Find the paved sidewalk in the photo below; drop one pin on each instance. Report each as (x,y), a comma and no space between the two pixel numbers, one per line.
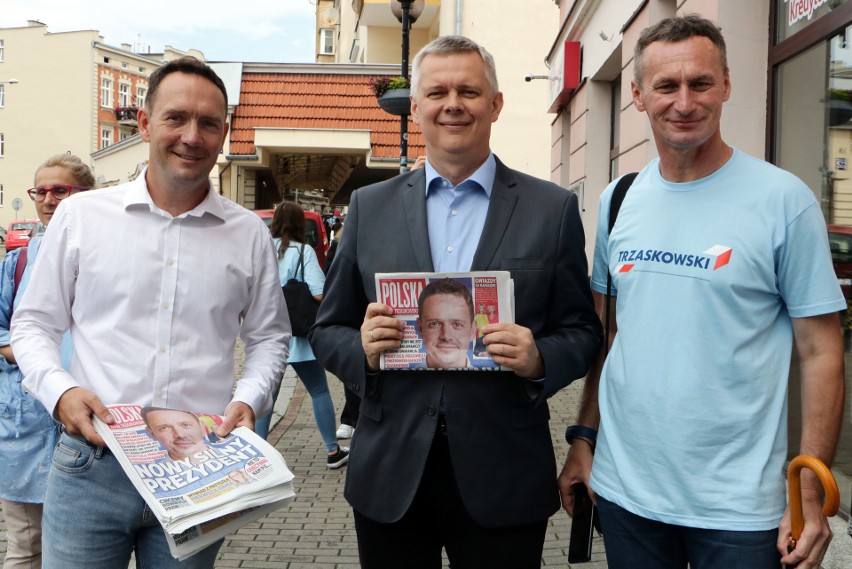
(317,530)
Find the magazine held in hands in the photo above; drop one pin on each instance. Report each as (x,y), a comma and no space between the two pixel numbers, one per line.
(444,314)
(201,487)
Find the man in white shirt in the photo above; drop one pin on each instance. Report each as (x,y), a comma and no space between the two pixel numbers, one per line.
(155,287)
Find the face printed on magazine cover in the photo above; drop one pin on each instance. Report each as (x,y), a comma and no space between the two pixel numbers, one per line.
(181,433)
(447,331)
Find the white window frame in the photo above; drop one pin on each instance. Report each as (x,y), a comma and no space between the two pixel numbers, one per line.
(1,195)
(2,96)
(124,94)
(141,92)
(2,49)
(2,144)
(106,92)
(106,136)
(326,41)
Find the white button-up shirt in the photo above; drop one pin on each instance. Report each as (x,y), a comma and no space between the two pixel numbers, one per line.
(154,303)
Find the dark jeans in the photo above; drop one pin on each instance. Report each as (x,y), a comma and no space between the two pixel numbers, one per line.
(634,542)
(437,519)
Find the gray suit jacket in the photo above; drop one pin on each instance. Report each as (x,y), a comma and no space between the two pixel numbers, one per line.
(497,423)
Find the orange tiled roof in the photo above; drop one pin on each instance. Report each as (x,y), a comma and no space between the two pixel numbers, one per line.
(297,100)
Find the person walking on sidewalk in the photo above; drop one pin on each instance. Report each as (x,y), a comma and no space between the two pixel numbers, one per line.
(442,459)
(288,234)
(719,261)
(27,431)
(156,290)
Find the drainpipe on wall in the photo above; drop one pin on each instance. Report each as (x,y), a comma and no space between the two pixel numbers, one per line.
(222,175)
(459,10)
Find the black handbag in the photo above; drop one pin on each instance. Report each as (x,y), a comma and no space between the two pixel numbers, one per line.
(301,304)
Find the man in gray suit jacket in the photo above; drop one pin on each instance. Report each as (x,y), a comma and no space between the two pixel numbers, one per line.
(461,460)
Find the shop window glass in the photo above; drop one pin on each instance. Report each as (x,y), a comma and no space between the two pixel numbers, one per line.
(796,15)
(813,139)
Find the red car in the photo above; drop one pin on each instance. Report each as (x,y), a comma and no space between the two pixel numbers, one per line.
(840,241)
(315,235)
(18,234)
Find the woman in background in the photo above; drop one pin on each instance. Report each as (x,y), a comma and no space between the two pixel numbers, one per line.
(288,233)
(27,432)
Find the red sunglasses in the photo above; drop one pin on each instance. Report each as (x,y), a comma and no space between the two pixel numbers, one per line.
(59,191)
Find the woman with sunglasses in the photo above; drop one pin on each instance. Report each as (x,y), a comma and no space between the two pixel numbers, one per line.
(27,432)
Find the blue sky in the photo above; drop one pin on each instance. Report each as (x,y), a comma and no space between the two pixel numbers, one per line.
(252,30)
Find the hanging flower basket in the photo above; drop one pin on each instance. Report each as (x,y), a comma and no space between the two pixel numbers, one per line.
(396,102)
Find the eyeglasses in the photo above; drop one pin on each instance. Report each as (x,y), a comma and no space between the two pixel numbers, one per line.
(59,191)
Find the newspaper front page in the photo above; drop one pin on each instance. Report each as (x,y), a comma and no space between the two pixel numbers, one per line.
(446,332)
(200,486)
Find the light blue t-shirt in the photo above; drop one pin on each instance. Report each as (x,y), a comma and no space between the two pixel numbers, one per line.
(693,395)
(288,268)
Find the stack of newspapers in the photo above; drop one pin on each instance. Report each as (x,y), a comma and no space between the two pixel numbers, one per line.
(200,486)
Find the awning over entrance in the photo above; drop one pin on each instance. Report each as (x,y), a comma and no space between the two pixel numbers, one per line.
(315,131)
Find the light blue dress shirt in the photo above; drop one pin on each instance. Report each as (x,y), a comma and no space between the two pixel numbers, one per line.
(455,215)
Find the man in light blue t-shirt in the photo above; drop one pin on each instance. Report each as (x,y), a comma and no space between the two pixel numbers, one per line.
(718,261)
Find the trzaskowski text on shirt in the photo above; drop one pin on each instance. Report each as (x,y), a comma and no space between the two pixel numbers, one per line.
(710,259)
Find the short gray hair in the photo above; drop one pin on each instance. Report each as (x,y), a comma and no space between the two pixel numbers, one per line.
(451,45)
(678,29)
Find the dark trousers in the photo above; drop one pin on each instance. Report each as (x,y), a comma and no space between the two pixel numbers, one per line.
(634,542)
(437,519)
(351,409)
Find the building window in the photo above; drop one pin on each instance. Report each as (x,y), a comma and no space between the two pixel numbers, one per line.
(1,195)
(326,41)
(140,97)
(615,127)
(2,145)
(2,49)
(2,96)
(106,92)
(123,95)
(106,60)
(811,136)
(106,137)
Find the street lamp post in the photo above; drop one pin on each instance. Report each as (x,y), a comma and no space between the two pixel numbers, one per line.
(407,12)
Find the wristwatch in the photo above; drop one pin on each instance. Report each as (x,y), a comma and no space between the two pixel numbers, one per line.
(587,434)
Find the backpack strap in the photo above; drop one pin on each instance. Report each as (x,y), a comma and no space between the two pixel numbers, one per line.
(20,265)
(618,196)
(301,262)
